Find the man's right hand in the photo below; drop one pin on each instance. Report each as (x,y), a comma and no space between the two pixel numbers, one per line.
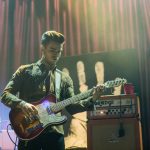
(28,109)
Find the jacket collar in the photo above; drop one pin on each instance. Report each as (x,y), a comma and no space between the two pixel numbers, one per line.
(45,66)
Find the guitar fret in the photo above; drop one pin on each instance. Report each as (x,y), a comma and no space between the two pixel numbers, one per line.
(60,105)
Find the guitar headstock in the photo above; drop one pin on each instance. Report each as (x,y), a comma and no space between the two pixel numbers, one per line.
(115,83)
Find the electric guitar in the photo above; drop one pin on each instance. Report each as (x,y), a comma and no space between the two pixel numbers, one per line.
(29,128)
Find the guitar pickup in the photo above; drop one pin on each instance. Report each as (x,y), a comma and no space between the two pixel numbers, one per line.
(48,110)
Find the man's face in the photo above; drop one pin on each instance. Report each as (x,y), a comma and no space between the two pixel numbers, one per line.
(52,52)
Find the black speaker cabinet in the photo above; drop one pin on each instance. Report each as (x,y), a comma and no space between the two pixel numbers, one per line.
(114,134)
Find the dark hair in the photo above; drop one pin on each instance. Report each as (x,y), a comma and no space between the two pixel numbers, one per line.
(52,36)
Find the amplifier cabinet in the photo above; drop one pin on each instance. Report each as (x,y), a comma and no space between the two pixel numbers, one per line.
(110,106)
(114,134)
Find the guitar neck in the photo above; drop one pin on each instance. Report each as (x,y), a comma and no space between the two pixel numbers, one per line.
(61,105)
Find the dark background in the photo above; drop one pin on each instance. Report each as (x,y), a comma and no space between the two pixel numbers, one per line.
(123,64)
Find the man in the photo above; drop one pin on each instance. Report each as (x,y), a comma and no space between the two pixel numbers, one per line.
(34,81)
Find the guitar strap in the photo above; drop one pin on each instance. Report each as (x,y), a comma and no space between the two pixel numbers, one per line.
(47,84)
(57,83)
(52,83)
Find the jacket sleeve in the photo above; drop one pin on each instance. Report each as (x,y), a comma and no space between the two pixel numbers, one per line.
(82,105)
(8,96)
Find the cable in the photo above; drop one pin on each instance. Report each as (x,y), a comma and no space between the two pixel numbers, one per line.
(121,131)
(14,142)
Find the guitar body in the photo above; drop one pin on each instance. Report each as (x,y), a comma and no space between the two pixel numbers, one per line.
(27,129)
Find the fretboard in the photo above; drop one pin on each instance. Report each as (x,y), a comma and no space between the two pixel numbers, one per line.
(61,105)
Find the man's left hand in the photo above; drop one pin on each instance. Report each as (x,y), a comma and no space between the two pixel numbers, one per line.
(98,91)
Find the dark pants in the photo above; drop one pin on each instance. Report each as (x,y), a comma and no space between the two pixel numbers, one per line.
(46,141)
